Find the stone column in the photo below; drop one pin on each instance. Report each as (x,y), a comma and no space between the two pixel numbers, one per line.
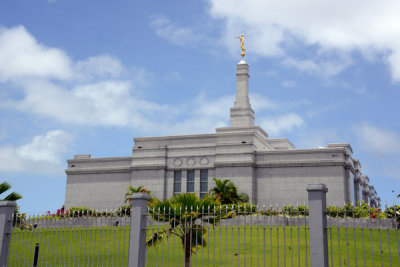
(6,211)
(318,225)
(137,237)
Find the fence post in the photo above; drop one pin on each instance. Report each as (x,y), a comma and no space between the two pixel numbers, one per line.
(318,226)
(137,237)
(6,211)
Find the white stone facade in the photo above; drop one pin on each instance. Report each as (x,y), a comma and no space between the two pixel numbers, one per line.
(270,171)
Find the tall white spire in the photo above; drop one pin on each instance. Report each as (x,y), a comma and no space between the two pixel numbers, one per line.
(242,115)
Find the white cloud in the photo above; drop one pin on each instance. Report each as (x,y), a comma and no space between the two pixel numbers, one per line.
(329,27)
(259,102)
(42,155)
(323,67)
(105,103)
(21,56)
(86,92)
(289,84)
(49,147)
(282,123)
(177,35)
(218,108)
(313,138)
(96,93)
(103,66)
(376,139)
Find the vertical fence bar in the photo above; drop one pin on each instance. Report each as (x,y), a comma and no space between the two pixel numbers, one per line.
(318,235)
(169,219)
(137,237)
(362,234)
(347,240)
(397,221)
(284,238)
(258,237)
(244,235)
(330,234)
(270,234)
(354,236)
(298,232)
(380,239)
(6,211)
(277,234)
(370,235)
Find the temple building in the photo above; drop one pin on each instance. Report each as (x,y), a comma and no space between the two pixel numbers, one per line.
(270,171)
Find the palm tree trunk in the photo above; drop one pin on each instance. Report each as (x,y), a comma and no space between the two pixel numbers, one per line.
(187,248)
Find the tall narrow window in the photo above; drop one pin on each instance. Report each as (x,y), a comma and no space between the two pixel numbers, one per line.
(203,182)
(190,181)
(177,182)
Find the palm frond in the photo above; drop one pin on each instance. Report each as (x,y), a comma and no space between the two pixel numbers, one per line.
(13,196)
(155,239)
(4,187)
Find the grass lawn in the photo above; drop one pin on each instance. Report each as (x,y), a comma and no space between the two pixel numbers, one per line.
(226,246)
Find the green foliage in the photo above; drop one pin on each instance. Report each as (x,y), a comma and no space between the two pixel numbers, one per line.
(393,212)
(81,211)
(239,209)
(269,212)
(139,189)
(227,192)
(360,210)
(290,210)
(124,210)
(188,216)
(13,196)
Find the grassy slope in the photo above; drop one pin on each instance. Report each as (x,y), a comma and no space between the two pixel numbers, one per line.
(227,246)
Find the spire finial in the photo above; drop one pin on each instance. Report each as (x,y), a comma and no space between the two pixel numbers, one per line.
(241,38)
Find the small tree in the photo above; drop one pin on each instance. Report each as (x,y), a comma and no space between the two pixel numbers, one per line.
(132,190)
(187,216)
(227,192)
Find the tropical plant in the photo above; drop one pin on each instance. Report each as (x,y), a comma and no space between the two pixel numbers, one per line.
(394,212)
(80,211)
(132,190)
(227,192)
(187,216)
(124,210)
(13,196)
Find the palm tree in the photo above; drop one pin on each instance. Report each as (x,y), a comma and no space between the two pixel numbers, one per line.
(13,196)
(227,192)
(132,190)
(187,216)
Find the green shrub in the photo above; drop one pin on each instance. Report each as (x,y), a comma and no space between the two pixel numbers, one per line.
(81,211)
(124,210)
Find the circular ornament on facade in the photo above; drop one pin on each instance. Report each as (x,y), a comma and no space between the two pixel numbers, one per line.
(178,162)
(204,161)
(191,161)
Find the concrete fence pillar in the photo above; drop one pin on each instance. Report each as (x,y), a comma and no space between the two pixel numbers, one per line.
(137,237)
(6,211)
(318,226)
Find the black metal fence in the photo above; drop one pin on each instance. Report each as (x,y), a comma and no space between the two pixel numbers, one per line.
(229,235)
(70,240)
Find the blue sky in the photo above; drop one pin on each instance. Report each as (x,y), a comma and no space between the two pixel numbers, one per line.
(85,77)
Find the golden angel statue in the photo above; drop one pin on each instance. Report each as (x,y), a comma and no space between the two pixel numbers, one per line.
(241,38)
